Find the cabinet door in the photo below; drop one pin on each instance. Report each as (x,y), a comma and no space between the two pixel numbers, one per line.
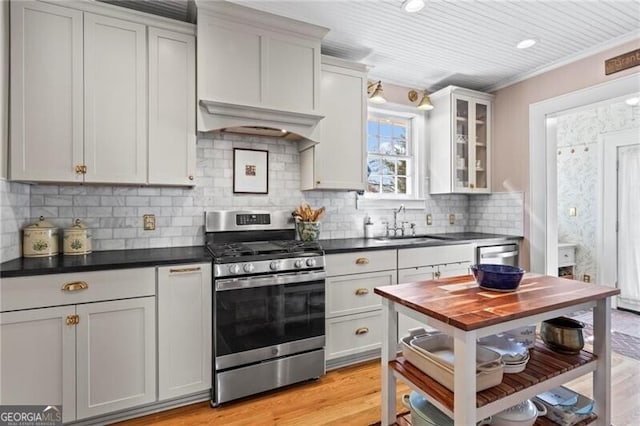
(339,158)
(38,361)
(46,92)
(407,276)
(116,355)
(481,146)
(172,108)
(291,71)
(115,69)
(184,330)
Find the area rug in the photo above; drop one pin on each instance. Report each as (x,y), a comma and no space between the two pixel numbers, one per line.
(621,343)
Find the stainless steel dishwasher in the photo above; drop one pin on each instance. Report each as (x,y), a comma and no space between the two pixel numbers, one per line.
(500,254)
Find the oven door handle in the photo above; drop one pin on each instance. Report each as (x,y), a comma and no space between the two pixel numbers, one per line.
(271,280)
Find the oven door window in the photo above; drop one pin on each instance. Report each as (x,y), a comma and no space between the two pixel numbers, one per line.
(251,318)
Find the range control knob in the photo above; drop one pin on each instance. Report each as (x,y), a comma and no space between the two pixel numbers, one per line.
(234,269)
(248,267)
(311,262)
(274,266)
(299,263)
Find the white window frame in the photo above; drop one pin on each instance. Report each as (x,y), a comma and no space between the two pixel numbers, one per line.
(416,143)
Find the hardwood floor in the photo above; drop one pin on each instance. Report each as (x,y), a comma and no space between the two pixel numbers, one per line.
(351,396)
(348,396)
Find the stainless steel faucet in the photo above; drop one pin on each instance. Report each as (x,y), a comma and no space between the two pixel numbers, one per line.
(395,227)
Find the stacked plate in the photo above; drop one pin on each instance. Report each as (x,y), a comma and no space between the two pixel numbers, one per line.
(515,355)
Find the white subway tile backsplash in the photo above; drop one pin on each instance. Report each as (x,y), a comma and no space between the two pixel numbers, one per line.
(114,214)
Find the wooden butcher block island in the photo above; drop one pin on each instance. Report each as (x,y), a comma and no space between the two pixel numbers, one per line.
(458,307)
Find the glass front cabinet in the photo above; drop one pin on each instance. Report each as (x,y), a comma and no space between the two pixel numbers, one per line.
(460,128)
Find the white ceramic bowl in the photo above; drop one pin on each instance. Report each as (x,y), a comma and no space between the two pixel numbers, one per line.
(523,414)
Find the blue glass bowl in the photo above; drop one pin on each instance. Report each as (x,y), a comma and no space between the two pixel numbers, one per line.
(497,277)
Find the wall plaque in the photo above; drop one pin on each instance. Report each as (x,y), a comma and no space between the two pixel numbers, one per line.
(622,62)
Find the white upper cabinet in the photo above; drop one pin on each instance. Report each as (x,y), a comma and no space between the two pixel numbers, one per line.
(255,67)
(83,97)
(172,102)
(46,118)
(115,75)
(338,161)
(460,141)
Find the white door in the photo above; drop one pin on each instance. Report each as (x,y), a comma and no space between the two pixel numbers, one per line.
(116,355)
(172,108)
(38,359)
(621,229)
(184,330)
(115,70)
(46,92)
(629,227)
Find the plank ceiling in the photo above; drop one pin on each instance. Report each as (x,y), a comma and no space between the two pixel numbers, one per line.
(466,43)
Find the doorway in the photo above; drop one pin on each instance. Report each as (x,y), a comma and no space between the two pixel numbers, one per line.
(544,221)
(620,225)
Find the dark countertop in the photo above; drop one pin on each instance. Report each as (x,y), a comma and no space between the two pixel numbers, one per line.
(101,260)
(346,245)
(122,259)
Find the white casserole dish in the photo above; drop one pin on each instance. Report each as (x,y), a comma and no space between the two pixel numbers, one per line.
(433,354)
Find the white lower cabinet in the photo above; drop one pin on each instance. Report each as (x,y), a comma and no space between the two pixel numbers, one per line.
(116,355)
(428,263)
(90,354)
(353,325)
(38,362)
(184,330)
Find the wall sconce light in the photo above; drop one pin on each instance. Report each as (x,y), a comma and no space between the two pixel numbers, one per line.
(376,95)
(425,103)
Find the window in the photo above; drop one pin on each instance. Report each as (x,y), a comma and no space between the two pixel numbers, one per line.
(390,156)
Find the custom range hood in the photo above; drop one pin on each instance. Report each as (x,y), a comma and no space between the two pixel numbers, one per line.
(258,73)
(222,117)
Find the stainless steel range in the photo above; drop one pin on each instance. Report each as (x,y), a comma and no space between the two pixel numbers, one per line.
(268,303)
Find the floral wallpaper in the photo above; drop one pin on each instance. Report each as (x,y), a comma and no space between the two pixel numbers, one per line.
(579,137)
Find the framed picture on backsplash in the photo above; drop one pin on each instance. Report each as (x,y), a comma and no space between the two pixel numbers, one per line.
(250,171)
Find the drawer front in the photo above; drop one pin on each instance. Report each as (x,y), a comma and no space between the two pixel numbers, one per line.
(350,294)
(566,256)
(352,334)
(361,261)
(47,290)
(422,256)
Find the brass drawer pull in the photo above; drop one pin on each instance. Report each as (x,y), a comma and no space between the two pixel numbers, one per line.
(362,261)
(437,274)
(73,319)
(361,292)
(178,270)
(362,330)
(75,286)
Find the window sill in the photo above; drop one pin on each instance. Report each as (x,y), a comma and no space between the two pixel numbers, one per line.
(363,203)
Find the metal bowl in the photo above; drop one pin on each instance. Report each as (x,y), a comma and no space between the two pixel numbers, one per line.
(562,334)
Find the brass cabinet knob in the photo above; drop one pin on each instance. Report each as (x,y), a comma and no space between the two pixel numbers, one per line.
(362,291)
(471,185)
(73,319)
(437,274)
(191,177)
(362,330)
(78,169)
(362,261)
(317,182)
(75,286)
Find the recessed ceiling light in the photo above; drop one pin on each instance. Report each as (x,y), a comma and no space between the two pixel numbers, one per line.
(633,101)
(413,6)
(525,44)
